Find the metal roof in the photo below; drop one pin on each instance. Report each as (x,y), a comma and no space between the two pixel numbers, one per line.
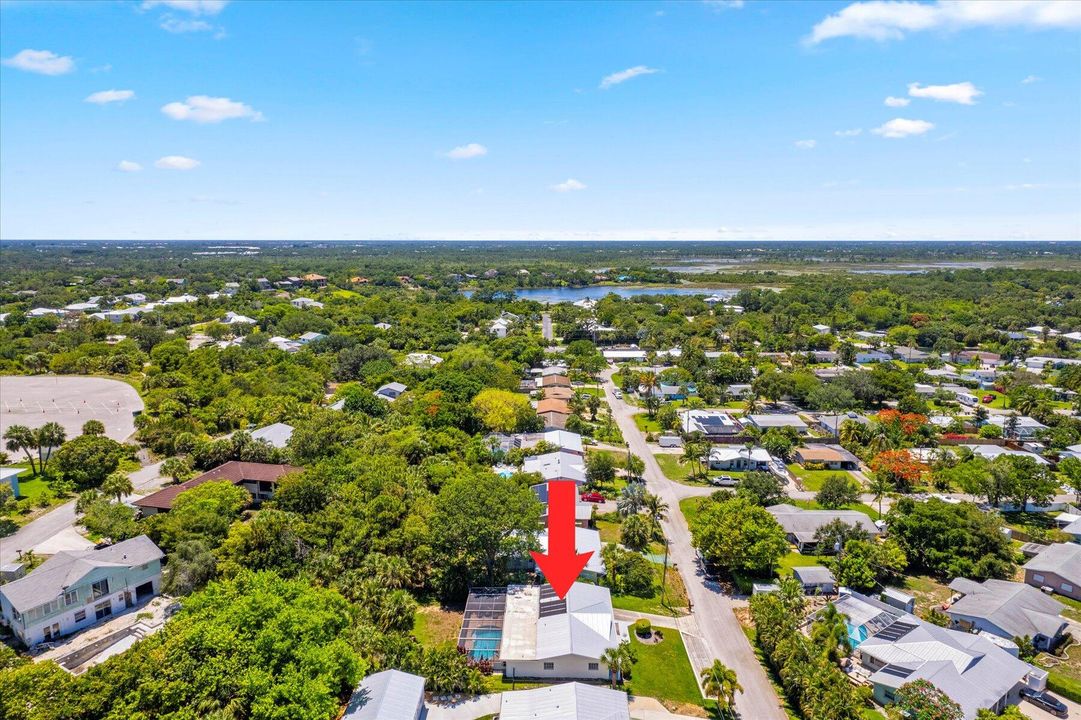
(387,695)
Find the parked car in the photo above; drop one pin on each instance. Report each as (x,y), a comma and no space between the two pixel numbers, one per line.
(1045,701)
(723,480)
(619,394)
(592,497)
(988,399)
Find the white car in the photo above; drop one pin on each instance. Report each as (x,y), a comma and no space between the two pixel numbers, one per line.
(619,394)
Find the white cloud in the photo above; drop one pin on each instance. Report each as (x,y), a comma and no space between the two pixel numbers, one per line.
(964,93)
(892,101)
(177,27)
(848,133)
(465,152)
(204,110)
(625,75)
(568,185)
(195,7)
(719,5)
(1031,79)
(902,128)
(42,62)
(105,97)
(892,19)
(805,144)
(129,166)
(176,162)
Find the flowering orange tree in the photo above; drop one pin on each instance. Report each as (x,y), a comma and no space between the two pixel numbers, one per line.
(899,468)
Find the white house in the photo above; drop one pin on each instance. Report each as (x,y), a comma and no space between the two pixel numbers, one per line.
(585,540)
(545,637)
(738,457)
(302,303)
(391,391)
(567,701)
(425,360)
(232,318)
(559,465)
(73,590)
(499,327)
(387,695)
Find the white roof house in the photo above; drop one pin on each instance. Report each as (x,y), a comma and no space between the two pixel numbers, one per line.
(180,299)
(781,420)
(426,360)
(81,307)
(567,701)
(232,318)
(993,451)
(310,337)
(711,423)
(303,302)
(277,434)
(1026,427)
(558,465)
(585,540)
(543,636)
(387,695)
(563,439)
(391,391)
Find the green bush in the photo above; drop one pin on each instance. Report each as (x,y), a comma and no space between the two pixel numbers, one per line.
(643,628)
(1065,686)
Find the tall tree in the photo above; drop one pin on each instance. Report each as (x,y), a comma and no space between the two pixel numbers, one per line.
(720,681)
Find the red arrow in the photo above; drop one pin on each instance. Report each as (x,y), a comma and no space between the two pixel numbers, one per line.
(562,565)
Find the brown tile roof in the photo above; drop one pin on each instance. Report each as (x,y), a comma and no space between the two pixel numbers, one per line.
(558,393)
(234,471)
(553,405)
(554,380)
(819,454)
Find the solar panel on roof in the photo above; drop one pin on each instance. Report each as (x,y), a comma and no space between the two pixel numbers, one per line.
(895,631)
(896,671)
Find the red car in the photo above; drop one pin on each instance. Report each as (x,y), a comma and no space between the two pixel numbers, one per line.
(592,497)
(988,398)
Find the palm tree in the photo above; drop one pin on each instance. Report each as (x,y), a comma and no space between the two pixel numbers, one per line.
(879,487)
(619,661)
(21,438)
(692,454)
(720,681)
(630,500)
(850,433)
(657,510)
(48,436)
(750,402)
(830,631)
(118,484)
(178,468)
(635,467)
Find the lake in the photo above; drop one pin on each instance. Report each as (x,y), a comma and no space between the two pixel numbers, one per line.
(553,296)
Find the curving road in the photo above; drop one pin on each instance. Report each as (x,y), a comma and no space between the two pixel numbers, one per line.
(721,636)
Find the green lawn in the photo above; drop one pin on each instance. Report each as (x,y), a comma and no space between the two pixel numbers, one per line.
(1073,607)
(675,469)
(672,603)
(663,671)
(872,512)
(647,424)
(32,487)
(812,479)
(927,591)
(608,527)
(689,507)
(795,560)
(497,684)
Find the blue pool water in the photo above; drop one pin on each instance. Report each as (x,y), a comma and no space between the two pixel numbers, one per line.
(856,634)
(485,643)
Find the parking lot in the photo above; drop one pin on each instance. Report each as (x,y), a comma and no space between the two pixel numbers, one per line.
(70,401)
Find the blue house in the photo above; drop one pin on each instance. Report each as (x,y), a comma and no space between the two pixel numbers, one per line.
(10,476)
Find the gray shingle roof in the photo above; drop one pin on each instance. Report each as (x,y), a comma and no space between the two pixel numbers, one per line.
(66,569)
(802,524)
(387,695)
(1063,559)
(1016,608)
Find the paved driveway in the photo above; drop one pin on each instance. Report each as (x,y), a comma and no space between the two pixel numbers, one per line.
(54,530)
(34,400)
(721,635)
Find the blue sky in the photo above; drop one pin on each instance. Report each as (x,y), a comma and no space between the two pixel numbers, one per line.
(205,119)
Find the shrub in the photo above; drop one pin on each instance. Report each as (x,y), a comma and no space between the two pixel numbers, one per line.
(990,431)
(643,628)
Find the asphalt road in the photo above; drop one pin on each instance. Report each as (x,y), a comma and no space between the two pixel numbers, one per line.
(37,531)
(722,637)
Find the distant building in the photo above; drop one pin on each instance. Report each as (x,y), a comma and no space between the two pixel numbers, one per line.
(303,303)
(315,280)
(258,479)
(1057,567)
(391,391)
(781,420)
(277,434)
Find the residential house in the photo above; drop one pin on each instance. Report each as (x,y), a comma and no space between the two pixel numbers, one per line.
(822,329)
(896,648)
(560,465)
(1057,567)
(422,360)
(315,280)
(276,434)
(499,327)
(73,590)
(83,307)
(382,326)
(801,525)
(558,392)
(832,457)
(713,424)
(545,637)
(1009,610)
(866,357)
(567,442)
(1039,363)
(990,452)
(586,540)
(232,318)
(303,303)
(387,695)
(258,479)
(551,380)
(989,359)
(780,420)
(831,422)
(310,337)
(583,511)
(816,579)
(1027,427)
(912,355)
(554,412)
(180,299)
(739,458)
(566,701)
(391,391)
(10,476)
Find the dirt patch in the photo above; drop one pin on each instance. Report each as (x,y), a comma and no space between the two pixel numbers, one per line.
(685,709)
(434,625)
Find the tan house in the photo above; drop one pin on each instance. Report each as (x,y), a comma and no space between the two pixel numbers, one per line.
(830,456)
(313,279)
(555,413)
(1057,567)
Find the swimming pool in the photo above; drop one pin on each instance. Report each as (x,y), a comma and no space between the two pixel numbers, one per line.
(856,634)
(485,643)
